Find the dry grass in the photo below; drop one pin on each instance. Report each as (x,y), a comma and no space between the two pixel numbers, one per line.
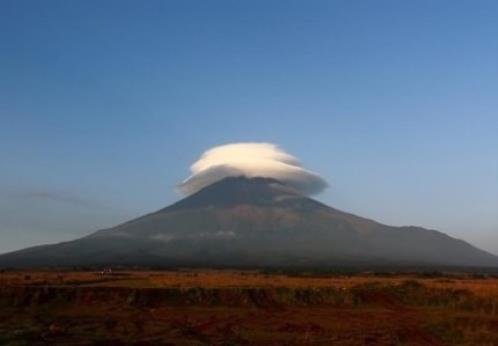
(222,307)
(237,279)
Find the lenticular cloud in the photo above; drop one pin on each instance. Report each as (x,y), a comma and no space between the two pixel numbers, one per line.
(251,160)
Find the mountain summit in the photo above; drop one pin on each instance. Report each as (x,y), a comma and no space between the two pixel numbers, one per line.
(254,222)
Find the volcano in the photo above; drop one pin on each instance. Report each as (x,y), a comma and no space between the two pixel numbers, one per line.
(254,222)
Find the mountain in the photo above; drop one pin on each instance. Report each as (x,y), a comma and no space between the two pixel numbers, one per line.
(254,222)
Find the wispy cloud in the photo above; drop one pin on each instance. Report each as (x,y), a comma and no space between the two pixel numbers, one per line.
(54,195)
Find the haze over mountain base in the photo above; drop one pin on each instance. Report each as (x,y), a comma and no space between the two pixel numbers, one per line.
(254,222)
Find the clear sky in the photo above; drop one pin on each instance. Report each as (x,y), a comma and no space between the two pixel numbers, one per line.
(105,104)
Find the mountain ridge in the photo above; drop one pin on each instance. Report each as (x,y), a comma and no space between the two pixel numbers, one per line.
(255,222)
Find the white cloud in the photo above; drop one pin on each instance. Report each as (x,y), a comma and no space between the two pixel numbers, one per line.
(251,160)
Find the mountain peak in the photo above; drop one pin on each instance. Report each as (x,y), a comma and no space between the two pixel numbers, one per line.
(232,191)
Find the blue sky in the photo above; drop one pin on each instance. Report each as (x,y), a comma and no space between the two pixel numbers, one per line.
(105,104)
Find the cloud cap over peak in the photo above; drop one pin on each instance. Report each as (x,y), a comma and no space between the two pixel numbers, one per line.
(251,160)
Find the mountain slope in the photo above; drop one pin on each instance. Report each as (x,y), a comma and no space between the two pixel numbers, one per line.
(254,222)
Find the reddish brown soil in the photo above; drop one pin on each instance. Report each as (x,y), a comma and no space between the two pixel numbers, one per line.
(245,308)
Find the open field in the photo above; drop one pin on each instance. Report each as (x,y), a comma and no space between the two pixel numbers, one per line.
(246,308)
